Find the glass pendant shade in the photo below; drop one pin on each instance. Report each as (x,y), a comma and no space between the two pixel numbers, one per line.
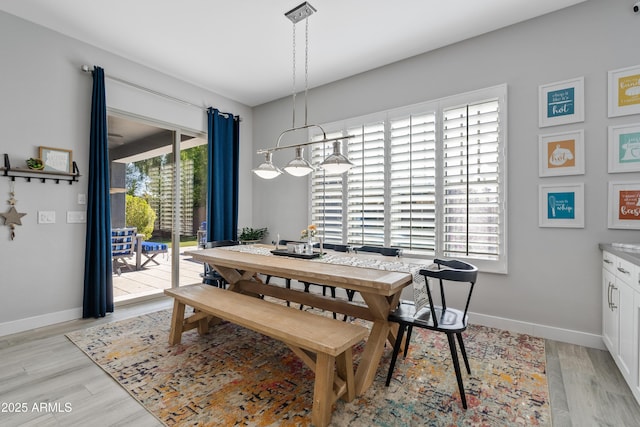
(336,163)
(267,170)
(299,166)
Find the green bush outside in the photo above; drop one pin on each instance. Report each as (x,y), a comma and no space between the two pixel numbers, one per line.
(139,214)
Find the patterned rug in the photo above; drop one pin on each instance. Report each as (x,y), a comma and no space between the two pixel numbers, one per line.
(234,376)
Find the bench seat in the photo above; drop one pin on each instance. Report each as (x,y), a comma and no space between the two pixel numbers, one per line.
(150,250)
(324,344)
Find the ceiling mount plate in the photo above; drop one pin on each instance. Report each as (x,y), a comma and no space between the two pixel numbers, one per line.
(300,12)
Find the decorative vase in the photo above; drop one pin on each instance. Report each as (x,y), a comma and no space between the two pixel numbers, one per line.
(310,246)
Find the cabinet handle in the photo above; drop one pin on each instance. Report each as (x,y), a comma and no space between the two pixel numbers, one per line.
(606,261)
(622,270)
(609,295)
(613,306)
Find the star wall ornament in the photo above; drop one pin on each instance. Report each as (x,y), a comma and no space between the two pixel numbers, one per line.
(12,217)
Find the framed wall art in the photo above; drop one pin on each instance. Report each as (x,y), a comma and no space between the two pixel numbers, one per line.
(561,205)
(624,91)
(624,205)
(561,102)
(624,148)
(56,159)
(561,154)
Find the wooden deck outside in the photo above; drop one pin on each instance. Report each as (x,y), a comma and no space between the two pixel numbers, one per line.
(153,279)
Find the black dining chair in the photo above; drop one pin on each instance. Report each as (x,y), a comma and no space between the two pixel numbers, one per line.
(382,250)
(438,318)
(211,276)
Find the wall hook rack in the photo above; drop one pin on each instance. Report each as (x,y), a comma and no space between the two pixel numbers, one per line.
(43,176)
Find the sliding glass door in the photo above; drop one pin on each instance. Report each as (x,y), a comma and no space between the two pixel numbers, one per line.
(158,185)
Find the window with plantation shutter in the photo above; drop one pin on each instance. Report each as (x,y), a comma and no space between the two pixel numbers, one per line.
(428,178)
(326,196)
(412,183)
(365,185)
(471,177)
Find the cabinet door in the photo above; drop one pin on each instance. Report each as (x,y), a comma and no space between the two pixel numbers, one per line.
(610,312)
(626,329)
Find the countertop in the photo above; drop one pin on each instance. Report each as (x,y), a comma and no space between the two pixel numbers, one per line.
(627,251)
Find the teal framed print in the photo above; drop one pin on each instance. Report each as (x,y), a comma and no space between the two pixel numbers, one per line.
(624,148)
(561,205)
(561,103)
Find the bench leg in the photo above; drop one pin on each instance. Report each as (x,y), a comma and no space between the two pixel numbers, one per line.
(177,320)
(323,390)
(344,367)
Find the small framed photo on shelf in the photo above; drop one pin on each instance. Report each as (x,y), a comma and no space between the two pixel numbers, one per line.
(624,91)
(624,148)
(56,159)
(561,103)
(561,205)
(624,205)
(561,154)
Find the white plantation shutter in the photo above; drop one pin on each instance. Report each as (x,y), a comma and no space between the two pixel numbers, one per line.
(471,211)
(428,178)
(365,185)
(413,182)
(326,195)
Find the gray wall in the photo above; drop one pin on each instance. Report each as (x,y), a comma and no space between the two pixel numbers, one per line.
(45,100)
(554,280)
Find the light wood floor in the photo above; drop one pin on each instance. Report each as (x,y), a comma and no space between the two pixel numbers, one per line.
(43,366)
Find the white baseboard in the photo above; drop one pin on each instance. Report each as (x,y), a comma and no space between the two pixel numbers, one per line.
(26,324)
(542,331)
(548,332)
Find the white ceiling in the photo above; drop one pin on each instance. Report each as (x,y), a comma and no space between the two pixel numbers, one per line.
(242,49)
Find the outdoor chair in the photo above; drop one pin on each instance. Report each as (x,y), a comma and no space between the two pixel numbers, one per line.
(123,241)
(440,318)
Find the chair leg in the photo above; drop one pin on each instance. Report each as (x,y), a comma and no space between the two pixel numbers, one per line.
(306,289)
(394,356)
(406,344)
(333,295)
(464,352)
(288,286)
(456,365)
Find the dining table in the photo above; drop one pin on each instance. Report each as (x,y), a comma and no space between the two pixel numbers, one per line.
(378,282)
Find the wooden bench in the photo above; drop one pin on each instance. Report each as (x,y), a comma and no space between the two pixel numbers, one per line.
(324,344)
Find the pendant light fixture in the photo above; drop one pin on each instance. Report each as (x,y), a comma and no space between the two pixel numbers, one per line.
(335,163)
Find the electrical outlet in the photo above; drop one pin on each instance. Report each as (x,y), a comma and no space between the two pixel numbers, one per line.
(46,217)
(76,217)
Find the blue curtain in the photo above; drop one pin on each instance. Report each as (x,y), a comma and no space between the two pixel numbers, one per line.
(98,285)
(222,188)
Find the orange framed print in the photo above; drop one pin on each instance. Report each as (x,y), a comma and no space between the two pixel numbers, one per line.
(624,205)
(56,159)
(624,91)
(561,154)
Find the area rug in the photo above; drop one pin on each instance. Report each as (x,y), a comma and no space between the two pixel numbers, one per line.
(234,376)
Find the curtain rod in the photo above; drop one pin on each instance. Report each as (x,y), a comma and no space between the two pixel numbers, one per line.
(87,69)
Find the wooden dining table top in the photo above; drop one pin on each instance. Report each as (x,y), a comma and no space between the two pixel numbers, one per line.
(362,279)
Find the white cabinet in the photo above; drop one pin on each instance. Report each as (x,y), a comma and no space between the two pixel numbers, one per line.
(620,315)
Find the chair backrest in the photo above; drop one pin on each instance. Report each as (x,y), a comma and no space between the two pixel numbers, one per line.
(123,241)
(336,247)
(220,243)
(379,250)
(449,271)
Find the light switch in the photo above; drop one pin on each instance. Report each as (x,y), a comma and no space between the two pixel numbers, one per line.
(76,217)
(82,199)
(46,217)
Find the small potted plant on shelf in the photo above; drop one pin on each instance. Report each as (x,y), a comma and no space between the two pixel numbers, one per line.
(252,235)
(35,164)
